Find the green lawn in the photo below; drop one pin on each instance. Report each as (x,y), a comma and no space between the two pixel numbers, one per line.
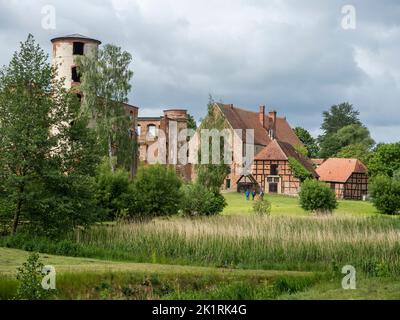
(284,205)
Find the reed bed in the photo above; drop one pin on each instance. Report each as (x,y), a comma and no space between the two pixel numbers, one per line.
(292,243)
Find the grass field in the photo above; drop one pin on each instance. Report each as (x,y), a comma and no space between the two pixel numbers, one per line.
(289,255)
(289,206)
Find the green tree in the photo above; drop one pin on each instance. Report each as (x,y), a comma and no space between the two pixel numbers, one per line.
(317,196)
(106,83)
(385,159)
(385,193)
(47,153)
(208,174)
(339,116)
(309,142)
(155,192)
(355,151)
(354,134)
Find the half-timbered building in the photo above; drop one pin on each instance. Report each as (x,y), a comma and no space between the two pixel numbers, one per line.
(347,177)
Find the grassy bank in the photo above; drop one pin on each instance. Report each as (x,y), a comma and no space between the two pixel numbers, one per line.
(79,278)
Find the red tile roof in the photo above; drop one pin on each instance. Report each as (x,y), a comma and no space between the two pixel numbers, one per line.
(279,150)
(243,119)
(340,170)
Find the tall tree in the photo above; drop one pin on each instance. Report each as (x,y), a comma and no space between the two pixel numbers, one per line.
(211,175)
(339,116)
(354,134)
(46,151)
(106,83)
(309,142)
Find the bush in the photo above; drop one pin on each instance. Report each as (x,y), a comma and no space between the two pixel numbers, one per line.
(30,278)
(112,191)
(155,192)
(262,207)
(385,193)
(197,200)
(317,196)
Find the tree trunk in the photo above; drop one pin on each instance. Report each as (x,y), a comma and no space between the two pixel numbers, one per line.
(110,154)
(17,213)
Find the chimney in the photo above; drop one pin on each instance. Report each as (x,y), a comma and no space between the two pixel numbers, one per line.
(272,122)
(262,115)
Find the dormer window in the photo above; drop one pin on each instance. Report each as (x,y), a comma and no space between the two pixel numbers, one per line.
(79,48)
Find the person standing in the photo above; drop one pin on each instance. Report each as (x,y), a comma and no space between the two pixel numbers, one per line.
(253,194)
(247,194)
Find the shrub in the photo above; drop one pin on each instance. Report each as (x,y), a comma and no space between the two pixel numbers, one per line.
(385,193)
(197,200)
(112,191)
(317,196)
(30,278)
(156,192)
(262,207)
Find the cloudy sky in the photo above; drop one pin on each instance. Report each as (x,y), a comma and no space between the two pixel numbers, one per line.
(293,56)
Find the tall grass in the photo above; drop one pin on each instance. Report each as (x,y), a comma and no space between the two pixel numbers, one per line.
(294,243)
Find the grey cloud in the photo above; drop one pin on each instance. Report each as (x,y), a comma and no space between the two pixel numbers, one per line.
(291,55)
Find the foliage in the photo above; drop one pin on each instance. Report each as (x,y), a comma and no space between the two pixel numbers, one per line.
(106,83)
(191,122)
(301,150)
(309,142)
(385,193)
(197,200)
(355,151)
(212,175)
(262,207)
(47,153)
(298,170)
(385,159)
(317,196)
(112,191)
(30,276)
(354,134)
(156,192)
(339,116)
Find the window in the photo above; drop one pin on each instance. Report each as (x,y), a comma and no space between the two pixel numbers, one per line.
(274,169)
(131,115)
(79,96)
(228,183)
(78,48)
(151,130)
(75,75)
(139,130)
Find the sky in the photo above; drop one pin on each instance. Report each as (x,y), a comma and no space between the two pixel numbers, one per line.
(297,57)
